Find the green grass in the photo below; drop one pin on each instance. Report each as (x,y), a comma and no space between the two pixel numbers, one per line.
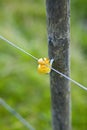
(24,23)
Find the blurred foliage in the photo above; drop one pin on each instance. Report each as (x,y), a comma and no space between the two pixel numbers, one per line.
(24,23)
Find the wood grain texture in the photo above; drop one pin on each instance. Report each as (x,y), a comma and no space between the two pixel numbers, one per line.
(58,15)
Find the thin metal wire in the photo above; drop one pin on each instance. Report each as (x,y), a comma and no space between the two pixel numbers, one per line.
(75,82)
(19,48)
(65,76)
(17,115)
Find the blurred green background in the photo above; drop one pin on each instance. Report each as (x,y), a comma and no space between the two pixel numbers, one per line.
(24,23)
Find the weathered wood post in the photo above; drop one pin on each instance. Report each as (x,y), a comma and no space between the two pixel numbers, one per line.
(58,14)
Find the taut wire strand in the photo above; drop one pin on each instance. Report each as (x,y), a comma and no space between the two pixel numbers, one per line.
(73,81)
(65,76)
(17,115)
(19,48)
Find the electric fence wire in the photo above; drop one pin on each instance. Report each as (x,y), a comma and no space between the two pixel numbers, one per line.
(14,45)
(10,109)
(75,82)
(17,115)
(65,76)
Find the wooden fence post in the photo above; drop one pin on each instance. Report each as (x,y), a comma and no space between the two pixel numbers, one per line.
(58,15)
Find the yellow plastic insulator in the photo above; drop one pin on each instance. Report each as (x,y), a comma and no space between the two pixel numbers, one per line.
(44,66)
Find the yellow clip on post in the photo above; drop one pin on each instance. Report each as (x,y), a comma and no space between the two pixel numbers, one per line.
(44,65)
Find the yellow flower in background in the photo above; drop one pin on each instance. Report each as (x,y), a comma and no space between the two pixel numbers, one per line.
(44,66)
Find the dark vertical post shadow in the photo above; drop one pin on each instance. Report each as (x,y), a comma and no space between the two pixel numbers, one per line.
(58,15)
